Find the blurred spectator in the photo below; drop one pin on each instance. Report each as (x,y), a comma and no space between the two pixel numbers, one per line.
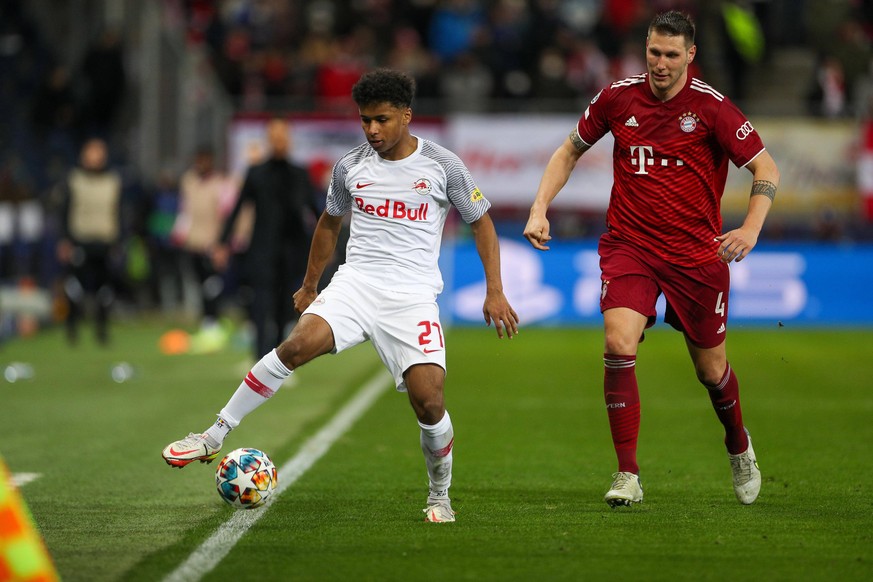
(407,53)
(272,267)
(90,232)
(21,222)
(348,58)
(629,61)
(546,23)
(623,20)
(508,53)
(454,26)
(550,81)
(827,96)
(197,229)
(852,49)
(166,273)
(587,67)
(466,85)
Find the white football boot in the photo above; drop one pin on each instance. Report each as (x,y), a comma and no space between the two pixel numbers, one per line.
(439,511)
(626,490)
(194,447)
(747,476)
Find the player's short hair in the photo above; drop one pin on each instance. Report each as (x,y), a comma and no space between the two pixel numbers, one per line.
(384,86)
(674,23)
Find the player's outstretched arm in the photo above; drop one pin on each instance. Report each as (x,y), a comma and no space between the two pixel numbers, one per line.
(738,243)
(554,178)
(320,253)
(496,307)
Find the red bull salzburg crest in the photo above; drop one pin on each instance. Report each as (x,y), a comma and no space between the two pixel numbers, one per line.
(422,186)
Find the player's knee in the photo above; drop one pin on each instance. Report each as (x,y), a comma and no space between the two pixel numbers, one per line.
(292,352)
(307,340)
(620,344)
(709,376)
(429,410)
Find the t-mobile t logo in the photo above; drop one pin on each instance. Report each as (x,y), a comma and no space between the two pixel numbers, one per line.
(643,156)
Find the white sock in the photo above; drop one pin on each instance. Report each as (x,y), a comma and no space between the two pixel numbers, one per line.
(436,444)
(264,379)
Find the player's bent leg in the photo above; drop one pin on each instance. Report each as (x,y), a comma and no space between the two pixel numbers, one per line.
(309,339)
(626,490)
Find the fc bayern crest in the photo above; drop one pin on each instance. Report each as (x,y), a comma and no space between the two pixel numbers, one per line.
(688,122)
(422,186)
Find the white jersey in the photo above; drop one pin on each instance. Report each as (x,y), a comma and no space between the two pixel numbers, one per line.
(398,211)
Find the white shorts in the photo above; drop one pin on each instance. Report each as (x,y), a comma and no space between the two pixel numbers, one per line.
(404,327)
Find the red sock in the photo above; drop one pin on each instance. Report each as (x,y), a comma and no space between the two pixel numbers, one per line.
(623,408)
(726,401)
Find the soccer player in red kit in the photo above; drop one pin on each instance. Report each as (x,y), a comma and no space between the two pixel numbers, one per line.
(674,136)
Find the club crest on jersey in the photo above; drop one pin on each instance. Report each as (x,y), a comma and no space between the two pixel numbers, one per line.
(476,195)
(596,97)
(688,122)
(422,186)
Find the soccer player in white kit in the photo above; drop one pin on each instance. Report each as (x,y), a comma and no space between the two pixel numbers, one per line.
(399,189)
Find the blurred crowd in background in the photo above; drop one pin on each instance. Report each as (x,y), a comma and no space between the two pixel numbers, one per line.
(285,56)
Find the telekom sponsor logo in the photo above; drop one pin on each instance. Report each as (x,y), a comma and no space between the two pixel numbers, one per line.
(394,209)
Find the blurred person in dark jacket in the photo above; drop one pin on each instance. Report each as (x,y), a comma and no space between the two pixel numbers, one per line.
(90,228)
(274,263)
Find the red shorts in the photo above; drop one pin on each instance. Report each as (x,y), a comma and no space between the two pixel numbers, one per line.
(697,297)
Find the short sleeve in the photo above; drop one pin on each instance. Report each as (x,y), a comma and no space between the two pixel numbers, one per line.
(594,122)
(736,134)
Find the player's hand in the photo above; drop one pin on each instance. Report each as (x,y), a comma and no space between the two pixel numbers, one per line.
(736,244)
(498,310)
(537,232)
(303,298)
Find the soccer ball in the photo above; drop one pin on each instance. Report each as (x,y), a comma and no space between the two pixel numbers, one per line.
(246,478)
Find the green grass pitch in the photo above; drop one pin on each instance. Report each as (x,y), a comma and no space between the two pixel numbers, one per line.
(532,460)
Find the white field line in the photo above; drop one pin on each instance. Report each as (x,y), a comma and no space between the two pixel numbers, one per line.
(219,544)
(22,479)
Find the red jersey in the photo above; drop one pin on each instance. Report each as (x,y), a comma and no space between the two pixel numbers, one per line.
(670,163)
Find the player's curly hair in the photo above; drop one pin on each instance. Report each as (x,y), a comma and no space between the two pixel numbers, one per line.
(384,86)
(674,23)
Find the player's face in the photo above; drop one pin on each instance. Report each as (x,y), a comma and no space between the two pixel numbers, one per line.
(667,59)
(387,129)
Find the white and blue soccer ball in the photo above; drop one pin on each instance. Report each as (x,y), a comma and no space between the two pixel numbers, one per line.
(246,478)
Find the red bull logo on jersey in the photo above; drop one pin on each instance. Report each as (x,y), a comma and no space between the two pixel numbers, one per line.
(394,209)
